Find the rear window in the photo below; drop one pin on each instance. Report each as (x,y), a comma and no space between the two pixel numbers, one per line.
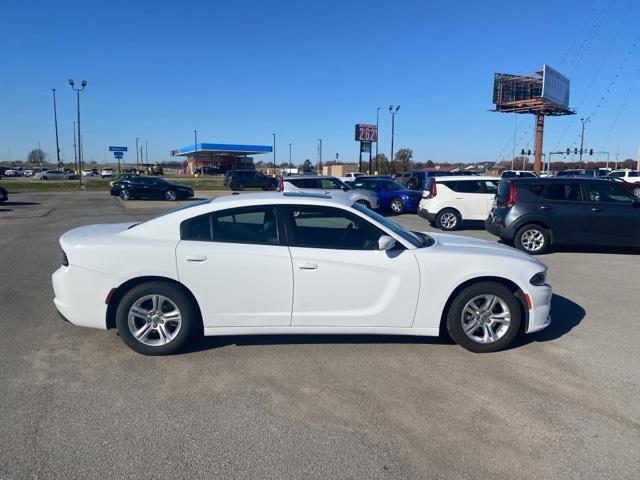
(304,182)
(503,191)
(569,192)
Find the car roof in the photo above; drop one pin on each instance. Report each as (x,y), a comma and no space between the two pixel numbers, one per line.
(303,177)
(554,179)
(462,178)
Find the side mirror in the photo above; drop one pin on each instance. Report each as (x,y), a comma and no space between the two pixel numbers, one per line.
(385,242)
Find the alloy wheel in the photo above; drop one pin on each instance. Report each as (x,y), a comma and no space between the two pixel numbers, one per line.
(125,195)
(448,220)
(396,206)
(532,240)
(170,195)
(154,320)
(485,318)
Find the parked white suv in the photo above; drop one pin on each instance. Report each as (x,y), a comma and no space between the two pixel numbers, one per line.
(626,174)
(107,172)
(329,185)
(448,201)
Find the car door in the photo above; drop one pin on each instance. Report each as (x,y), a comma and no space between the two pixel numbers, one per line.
(341,278)
(564,209)
(238,267)
(615,218)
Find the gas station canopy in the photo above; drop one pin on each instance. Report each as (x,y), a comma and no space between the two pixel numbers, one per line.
(221,149)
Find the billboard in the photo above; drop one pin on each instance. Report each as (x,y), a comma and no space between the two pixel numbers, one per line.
(366,133)
(555,86)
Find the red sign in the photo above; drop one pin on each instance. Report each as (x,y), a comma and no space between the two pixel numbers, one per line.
(366,133)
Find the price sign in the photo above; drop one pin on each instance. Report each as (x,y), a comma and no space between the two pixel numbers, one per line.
(366,133)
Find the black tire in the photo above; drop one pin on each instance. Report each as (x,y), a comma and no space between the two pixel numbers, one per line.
(188,327)
(448,220)
(533,239)
(234,187)
(125,195)
(272,187)
(504,334)
(170,195)
(45,178)
(240,187)
(396,205)
(364,203)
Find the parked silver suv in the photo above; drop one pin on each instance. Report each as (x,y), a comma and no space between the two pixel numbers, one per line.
(330,185)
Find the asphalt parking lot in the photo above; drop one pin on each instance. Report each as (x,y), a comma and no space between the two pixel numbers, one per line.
(76,403)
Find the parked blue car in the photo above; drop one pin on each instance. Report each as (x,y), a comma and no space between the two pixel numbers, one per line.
(392,196)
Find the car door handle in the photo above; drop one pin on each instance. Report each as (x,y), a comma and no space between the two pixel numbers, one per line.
(597,209)
(308,266)
(546,207)
(196,258)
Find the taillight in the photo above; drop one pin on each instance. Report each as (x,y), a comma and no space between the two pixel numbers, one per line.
(281,185)
(433,191)
(64,260)
(511,195)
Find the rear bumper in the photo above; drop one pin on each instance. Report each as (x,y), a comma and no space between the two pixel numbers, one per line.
(80,295)
(426,215)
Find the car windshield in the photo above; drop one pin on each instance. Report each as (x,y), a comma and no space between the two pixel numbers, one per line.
(417,239)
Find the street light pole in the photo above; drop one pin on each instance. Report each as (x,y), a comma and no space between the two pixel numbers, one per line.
(320,156)
(393,109)
(290,164)
(274,153)
(195,149)
(75,153)
(583,120)
(137,155)
(55,120)
(83,84)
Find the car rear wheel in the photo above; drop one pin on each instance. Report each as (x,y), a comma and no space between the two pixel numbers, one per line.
(397,206)
(448,220)
(364,203)
(45,178)
(484,317)
(240,186)
(156,318)
(125,194)
(532,239)
(170,195)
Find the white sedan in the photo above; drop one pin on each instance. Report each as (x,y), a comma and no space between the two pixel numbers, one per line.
(272,263)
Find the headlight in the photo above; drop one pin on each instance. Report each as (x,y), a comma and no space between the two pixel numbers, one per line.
(539,279)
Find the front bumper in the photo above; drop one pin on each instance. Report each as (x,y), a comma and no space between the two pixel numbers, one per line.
(540,311)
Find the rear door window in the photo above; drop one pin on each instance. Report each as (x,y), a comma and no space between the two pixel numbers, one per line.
(568,192)
(490,186)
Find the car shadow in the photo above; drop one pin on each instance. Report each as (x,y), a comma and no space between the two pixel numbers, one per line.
(596,249)
(15,204)
(565,315)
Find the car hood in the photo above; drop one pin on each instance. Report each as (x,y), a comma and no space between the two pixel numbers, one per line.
(465,245)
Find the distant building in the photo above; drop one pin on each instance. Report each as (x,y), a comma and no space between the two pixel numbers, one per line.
(219,156)
(339,170)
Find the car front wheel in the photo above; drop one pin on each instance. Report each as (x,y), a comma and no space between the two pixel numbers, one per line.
(484,317)
(364,203)
(532,239)
(156,318)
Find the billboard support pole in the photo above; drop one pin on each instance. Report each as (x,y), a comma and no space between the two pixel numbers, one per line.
(537,162)
(370,172)
(360,159)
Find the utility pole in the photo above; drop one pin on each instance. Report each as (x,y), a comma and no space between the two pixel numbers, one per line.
(290,164)
(319,156)
(137,157)
(146,150)
(617,152)
(393,110)
(377,135)
(55,119)
(195,149)
(583,120)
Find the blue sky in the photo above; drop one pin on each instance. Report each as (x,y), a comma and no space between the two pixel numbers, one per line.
(237,71)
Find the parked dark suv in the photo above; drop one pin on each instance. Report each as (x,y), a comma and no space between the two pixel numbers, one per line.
(241,179)
(537,213)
